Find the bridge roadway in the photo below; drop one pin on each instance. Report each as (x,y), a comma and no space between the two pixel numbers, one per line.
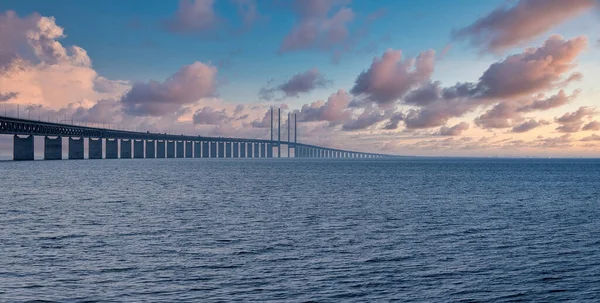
(119,143)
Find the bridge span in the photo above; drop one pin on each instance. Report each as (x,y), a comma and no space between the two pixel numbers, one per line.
(106,143)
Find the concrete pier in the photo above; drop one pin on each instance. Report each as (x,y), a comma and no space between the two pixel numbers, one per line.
(250,150)
(263,150)
(150,149)
(160,149)
(76,148)
(205,149)
(95,148)
(170,149)
(180,149)
(197,149)
(52,148)
(256,150)
(221,150)
(213,149)
(236,149)
(243,146)
(188,149)
(138,149)
(228,149)
(112,149)
(125,149)
(23,148)
(269,150)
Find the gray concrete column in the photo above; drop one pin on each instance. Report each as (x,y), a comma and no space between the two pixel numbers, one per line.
(263,150)
(151,149)
(95,148)
(256,150)
(236,149)
(243,146)
(138,149)
(227,149)
(170,149)
(180,149)
(112,149)
(205,149)
(23,148)
(197,149)
(250,150)
(213,149)
(269,150)
(160,149)
(125,148)
(188,149)
(221,150)
(53,148)
(76,148)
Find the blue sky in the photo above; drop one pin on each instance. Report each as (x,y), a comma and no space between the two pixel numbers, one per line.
(133,42)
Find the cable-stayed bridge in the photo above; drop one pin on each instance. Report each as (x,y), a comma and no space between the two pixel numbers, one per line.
(107,143)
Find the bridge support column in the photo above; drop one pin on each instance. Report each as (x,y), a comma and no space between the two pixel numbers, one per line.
(180,149)
(242,149)
(160,149)
(151,149)
(213,149)
(263,150)
(205,149)
(227,149)
(221,150)
(125,148)
(138,149)
(236,149)
(269,150)
(188,149)
(53,148)
(76,148)
(250,150)
(95,148)
(197,149)
(170,149)
(112,149)
(256,150)
(23,148)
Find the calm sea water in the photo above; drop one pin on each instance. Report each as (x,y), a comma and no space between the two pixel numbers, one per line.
(190,230)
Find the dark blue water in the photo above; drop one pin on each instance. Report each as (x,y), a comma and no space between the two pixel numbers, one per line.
(420,230)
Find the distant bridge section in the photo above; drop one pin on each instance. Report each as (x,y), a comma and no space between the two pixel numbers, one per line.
(105,143)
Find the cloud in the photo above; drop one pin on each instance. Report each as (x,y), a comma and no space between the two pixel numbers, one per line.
(333,111)
(193,16)
(185,87)
(509,26)
(528,125)
(594,125)
(455,130)
(7,96)
(304,82)
(247,9)
(563,141)
(572,122)
(593,137)
(315,27)
(369,117)
(389,78)
(209,116)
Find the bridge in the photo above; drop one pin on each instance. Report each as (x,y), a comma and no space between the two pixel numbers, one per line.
(107,143)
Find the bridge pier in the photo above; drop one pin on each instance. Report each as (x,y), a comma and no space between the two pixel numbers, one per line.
(53,148)
(160,149)
(213,149)
(170,149)
(256,150)
(263,150)
(151,149)
(138,149)
(269,150)
(125,148)
(188,149)
(76,148)
(221,150)
(95,148)
(197,149)
(205,149)
(250,153)
(243,146)
(112,149)
(227,149)
(236,149)
(180,149)
(23,148)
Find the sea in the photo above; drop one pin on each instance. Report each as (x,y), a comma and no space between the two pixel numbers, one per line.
(300,230)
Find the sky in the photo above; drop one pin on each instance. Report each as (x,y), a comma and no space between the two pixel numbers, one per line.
(502,78)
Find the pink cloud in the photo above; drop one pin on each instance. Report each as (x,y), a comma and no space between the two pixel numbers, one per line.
(508,26)
(455,130)
(299,84)
(193,16)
